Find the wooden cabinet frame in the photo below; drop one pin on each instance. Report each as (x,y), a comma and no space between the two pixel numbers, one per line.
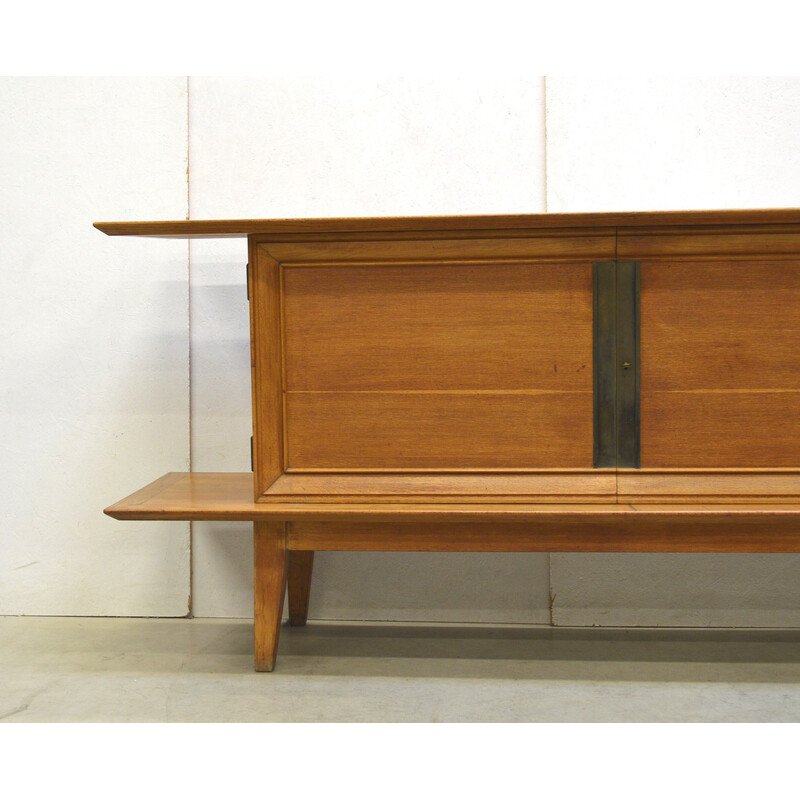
(594,382)
(279,479)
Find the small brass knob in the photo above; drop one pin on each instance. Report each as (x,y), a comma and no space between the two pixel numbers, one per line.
(626,365)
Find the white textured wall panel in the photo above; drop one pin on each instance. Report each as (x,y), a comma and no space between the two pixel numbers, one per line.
(672,143)
(94,396)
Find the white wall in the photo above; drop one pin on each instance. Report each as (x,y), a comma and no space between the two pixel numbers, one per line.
(94,398)
(96,330)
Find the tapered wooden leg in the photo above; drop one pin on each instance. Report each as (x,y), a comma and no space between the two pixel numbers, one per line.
(301,564)
(269,547)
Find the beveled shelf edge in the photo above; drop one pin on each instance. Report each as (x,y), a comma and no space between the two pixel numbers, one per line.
(229,496)
(246,227)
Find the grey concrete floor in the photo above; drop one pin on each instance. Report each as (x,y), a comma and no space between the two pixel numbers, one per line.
(127,670)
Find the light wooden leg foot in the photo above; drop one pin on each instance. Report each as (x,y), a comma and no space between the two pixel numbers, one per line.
(269,549)
(301,564)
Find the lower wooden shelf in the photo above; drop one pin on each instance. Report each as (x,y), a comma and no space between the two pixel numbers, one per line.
(743,527)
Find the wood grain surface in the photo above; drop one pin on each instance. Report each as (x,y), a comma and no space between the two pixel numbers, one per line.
(740,524)
(439,328)
(269,572)
(439,431)
(701,487)
(709,243)
(657,529)
(544,486)
(438,366)
(244,227)
(720,363)
(266,362)
(229,495)
(493,248)
(301,567)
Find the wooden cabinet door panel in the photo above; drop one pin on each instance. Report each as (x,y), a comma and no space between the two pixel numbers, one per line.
(438,366)
(441,355)
(720,363)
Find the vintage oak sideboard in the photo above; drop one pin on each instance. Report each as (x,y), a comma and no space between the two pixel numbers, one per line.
(551,382)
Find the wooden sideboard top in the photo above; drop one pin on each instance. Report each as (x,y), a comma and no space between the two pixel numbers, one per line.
(508,222)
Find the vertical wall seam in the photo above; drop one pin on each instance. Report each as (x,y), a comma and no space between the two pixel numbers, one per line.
(190,611)
(551,596)
(616,260)
(544,149)
(616,471)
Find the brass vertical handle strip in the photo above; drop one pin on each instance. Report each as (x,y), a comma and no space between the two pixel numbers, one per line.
(627,367)
(616,293)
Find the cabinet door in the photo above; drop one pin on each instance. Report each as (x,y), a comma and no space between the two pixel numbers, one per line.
(720,348)
(434,367)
